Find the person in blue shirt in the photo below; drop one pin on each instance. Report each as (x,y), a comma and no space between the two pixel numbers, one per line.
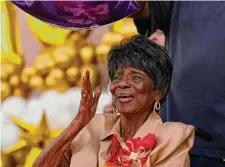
(195,39)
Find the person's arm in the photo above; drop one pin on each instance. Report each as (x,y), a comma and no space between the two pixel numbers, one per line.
(158,17)
(53,155)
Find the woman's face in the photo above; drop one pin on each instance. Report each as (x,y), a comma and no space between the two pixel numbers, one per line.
(132,91)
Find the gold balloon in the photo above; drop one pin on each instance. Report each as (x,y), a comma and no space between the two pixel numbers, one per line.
(56,80)
(24,79)
(27,73)
(6,90)
(117,25)
(75,37)
(4,75)
(57,73)
(62,87)
(84,32)
(72,74)
(50,82)
(62,60)
(78,37)
(101,53)
(14,81)
(87,54)
(112,38)
(36,82)
(76,62)
(57,85)
(63,55)
(65,49)
(126,27)
(43,64)
(20,92)
(9,68)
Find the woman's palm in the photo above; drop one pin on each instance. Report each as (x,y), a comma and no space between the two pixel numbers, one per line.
(89,102)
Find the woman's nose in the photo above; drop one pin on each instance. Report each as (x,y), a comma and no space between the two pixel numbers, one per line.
(124,84)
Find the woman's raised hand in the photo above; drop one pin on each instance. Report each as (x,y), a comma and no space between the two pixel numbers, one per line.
(53,155)
(89,102)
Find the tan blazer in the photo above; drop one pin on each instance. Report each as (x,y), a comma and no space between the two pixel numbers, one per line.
(91,147)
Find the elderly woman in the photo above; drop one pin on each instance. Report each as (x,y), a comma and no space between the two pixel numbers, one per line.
(140,73)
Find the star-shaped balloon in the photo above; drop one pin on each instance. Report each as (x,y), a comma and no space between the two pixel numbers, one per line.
(34,138)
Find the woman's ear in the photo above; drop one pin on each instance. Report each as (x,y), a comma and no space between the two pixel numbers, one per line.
(159,95)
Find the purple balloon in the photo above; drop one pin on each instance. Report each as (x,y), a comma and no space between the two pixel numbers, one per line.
(78,14)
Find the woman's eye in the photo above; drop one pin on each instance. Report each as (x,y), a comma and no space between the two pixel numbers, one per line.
(116,79)
(137,78)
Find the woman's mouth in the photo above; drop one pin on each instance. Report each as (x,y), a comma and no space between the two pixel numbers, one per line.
(125,98)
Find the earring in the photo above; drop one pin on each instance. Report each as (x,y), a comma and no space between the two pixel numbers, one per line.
(115,112)
(157,106)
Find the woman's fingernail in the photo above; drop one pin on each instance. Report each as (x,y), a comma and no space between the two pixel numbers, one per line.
(98,88)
